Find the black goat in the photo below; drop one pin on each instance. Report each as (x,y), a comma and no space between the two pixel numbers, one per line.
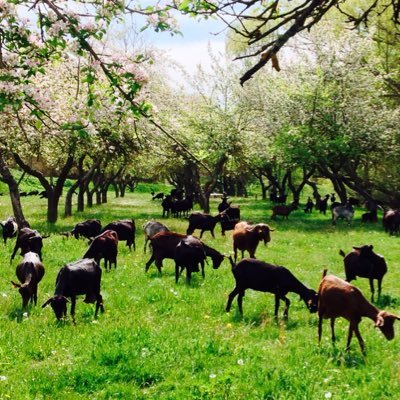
(254,274)
(363,262)
(30,272)
(79,277)
(189,253)
(126,230)
(88,229)
(28,240)
(204,222)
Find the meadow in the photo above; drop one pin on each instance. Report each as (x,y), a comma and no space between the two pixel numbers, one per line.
(161,340)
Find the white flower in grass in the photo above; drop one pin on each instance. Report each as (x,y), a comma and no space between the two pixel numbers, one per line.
(240,361)
(328,395)
(25,315)
(212,376)
(3,378)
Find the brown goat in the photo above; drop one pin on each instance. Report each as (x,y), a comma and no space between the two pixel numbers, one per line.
(283,210)
(338,298)
(104,246)
(246,237)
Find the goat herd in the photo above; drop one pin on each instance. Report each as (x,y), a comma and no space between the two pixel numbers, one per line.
(335,297)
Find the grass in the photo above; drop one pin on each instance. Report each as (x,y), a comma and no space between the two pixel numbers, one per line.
(158,340)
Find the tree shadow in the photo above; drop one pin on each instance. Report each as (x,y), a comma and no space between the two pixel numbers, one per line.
(387,300)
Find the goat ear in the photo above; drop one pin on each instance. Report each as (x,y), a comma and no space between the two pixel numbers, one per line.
(370,246)
(16,285)
(47,302)
(379,321)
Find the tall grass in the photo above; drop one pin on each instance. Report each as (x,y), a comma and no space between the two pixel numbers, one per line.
(159,340)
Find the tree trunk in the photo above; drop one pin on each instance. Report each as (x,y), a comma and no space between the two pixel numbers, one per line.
(89,197)
(7,177)
(116,190)
(52,207)
(68,199)
(122,189)
(98,197)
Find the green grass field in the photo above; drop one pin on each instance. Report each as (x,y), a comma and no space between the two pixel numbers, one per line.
(159,340)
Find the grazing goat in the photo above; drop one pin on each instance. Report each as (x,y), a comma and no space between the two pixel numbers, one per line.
(28,240)
(104,246)
(29,272)
(10,228)
(338,298)
(246,237)
(88,229)
(258,275)
(125,229)
(189,253)
(391,221)
(371,216)
(151,228)
(204,222)
(283,210)
(363,262)
(79,277)
(159,196)
(342,212)
(163,246)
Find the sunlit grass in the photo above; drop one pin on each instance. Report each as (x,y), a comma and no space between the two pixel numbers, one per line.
(159,340)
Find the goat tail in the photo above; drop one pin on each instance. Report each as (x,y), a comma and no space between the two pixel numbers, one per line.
(342,253)
(324,272)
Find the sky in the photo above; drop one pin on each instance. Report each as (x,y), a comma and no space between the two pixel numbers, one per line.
(191,49)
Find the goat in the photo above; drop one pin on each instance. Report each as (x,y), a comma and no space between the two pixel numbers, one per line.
(163,246)
(371,216)
(151,228)
(204,222)
(79,277)
(104,246)
(363,262)
(167,205)
(10,228)
(391,221)
(30,272)
(189,253)
(283,210)
(342,212)
(125,229)
(28,240)
(229,218)
(223,205)
(88,229)
(261,276)
(159,196)
(309,206)
(323,204)
(338,298)
(246,237)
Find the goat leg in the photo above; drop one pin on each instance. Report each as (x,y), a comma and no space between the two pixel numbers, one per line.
(231,296)
(333,330)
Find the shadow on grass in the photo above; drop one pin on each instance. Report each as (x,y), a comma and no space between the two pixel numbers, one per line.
(340,357)
(387,301)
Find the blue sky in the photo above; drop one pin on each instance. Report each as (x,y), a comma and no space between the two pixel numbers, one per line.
(191,49)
